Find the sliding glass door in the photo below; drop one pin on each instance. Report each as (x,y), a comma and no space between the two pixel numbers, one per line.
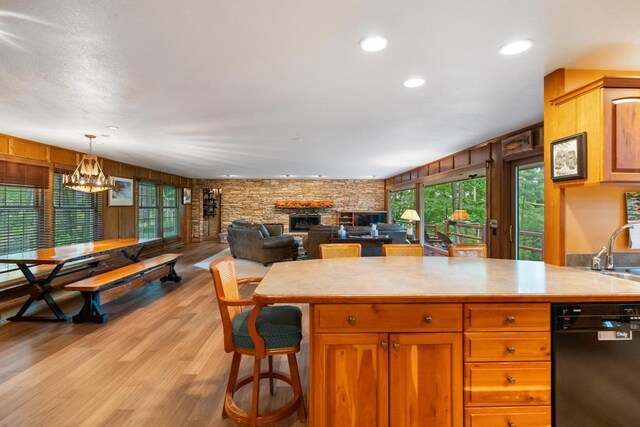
(529,212)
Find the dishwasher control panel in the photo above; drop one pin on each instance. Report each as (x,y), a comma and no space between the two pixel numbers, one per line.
(596,317)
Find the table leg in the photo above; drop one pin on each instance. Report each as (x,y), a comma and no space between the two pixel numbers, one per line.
(40,289)
(135,257)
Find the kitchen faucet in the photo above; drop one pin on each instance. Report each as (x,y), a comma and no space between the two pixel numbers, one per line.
(609,259)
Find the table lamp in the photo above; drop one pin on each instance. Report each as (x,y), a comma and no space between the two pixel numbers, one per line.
(410,215)
(459,215)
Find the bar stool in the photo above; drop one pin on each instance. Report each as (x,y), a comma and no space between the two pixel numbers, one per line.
(276,330)
(402,249)
(340,250)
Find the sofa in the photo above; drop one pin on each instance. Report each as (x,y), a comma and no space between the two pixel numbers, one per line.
(322,233)
(263,243)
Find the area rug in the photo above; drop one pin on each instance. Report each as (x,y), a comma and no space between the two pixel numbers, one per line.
(244,267)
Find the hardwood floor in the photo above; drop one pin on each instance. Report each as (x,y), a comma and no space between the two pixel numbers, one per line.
(159,360)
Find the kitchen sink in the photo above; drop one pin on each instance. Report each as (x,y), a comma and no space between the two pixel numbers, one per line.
(628,273)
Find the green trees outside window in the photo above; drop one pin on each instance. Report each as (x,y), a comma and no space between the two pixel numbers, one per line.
(169,212)
(21,219)
(400,202)
(77,215)
(147,210)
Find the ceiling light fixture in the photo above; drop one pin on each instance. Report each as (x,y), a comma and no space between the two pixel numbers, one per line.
(516,47)
(320,176)
(113,127)
(88,176)
(414,82)
(297,139)
(373,43)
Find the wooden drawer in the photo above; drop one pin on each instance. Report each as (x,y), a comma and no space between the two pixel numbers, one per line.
(500,384)
(506,346)
(387,318)
(507,317)
(528,416)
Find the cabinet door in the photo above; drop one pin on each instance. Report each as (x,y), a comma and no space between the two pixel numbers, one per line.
(622,135)
(350,380)
(425,374)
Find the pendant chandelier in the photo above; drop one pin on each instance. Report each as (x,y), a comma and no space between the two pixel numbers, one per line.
(88,176)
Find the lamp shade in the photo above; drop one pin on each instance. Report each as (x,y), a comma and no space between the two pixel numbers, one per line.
(410,215)
(460,215)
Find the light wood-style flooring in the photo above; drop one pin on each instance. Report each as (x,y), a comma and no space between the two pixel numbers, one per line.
(158,361)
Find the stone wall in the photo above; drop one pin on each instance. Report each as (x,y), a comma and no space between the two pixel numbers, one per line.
(254,199)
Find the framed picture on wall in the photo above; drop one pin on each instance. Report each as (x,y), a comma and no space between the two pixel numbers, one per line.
(569,158)
(122,192)
(186,196)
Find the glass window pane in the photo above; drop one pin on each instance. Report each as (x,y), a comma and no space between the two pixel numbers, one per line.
(77,215)
(530,212)
(400,202)
(148,214)
(467,199)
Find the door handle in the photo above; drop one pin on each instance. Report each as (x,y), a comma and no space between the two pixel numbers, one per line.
(383,344)
(396,346)
(511,234)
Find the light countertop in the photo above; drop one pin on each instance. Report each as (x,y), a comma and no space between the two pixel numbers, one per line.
(436,279)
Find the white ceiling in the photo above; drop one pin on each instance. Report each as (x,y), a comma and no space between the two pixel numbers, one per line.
(204,88)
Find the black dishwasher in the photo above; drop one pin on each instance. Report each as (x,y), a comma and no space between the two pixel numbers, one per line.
(596,365)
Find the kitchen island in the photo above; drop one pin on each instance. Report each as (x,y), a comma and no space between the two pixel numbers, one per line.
(432,341)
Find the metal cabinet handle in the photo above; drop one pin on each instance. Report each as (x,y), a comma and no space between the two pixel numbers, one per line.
(510,349)
(396,346)
(511,380)
(351,320)
(383,344)
(511,424)
(511,319)
(428,319)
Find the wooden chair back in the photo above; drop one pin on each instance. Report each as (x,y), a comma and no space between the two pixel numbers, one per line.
(225,282)
(340,250)
(402,249)
(468,250)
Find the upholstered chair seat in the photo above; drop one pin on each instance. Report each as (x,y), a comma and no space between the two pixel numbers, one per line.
(279,326)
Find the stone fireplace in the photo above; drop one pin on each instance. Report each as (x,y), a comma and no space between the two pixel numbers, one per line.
(301,222)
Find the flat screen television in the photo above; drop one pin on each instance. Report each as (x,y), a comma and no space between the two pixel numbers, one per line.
(366,219)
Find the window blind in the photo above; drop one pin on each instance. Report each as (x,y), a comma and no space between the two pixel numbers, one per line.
(77,215)
(148,214)
(169,212)
(24,174)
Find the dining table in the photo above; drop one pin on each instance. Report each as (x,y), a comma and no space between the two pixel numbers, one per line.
(40,286)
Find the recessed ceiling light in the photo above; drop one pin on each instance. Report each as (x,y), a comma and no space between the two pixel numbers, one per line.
(113,127)
(374,176)
(297,139)
(516,47)
(373,43)
(414,82)
(320,176)
(288,175)
(229,176)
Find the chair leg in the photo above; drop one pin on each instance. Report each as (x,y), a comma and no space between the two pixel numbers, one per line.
(233,378)
(271,375)
(297,386)
(253,416)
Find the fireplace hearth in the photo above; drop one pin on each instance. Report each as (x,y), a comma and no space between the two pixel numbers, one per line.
(303,222)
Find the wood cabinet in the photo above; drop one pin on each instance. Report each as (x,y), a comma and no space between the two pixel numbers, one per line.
(401,375)
(608,110)
(363,218)
(507,364)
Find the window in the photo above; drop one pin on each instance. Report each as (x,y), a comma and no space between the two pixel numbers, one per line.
(530,212)
(169,212)
(441,200)
(147,210)
(400,202)
(21,219)
(77,215)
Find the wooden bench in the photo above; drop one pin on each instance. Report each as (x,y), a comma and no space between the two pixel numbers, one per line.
(108,286)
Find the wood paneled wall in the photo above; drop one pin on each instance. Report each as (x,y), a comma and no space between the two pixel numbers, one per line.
(486,155)
(561,121)
(118,222)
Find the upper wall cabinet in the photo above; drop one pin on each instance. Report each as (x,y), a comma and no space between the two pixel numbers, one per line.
(608,110)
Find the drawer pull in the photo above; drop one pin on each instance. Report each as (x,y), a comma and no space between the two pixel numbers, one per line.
(396,346)
(511,380)
(511,424)
(511,319)
(428,319)
(351,320)
(510,349)
(383,344)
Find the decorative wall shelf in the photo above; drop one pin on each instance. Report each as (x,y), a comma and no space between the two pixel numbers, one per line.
(303,204)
